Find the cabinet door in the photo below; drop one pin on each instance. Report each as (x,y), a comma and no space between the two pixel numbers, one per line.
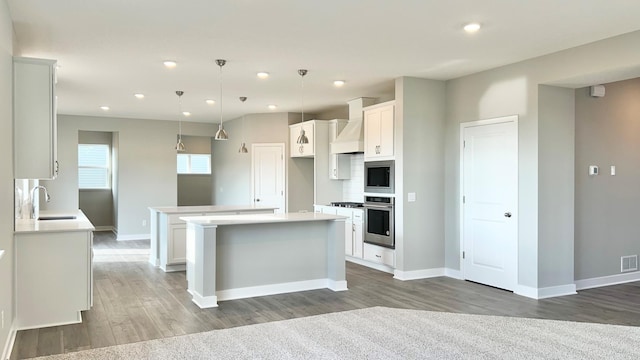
(371,133)
(34,118)
(177,244)
(358,236)
(386,132)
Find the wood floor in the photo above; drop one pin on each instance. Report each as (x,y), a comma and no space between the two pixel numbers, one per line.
(133,301)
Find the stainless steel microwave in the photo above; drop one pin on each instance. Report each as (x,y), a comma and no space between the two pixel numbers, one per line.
(379,177)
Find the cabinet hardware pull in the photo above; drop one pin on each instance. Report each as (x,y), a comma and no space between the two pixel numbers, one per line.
(378,256)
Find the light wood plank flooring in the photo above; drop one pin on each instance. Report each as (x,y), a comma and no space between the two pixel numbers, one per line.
(133,301)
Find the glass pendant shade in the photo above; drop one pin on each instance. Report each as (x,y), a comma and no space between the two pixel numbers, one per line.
(221,134)
(180,145)
(302,138)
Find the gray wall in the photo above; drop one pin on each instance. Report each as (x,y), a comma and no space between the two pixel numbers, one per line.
(420,169)
(556,114)
(6,173)
(195,189)
(97,204)
(146,166)
(513,89)
(232,170)
(607,207)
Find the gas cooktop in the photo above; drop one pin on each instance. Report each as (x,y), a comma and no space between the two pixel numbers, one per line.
(347,204)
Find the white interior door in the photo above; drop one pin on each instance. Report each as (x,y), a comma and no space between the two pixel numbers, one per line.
(490,202)
(268,174)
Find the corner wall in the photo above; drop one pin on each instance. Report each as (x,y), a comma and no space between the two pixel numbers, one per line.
(6,178)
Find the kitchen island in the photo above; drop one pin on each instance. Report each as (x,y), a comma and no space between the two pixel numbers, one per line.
(168,232)
(240,256)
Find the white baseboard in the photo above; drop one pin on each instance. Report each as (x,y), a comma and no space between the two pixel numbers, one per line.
(545,292)
(607,280)
(418,274)
(282,288)
(204,302)
(380,267)
(174,268)
(453,273)
(8,346)
(133,237)
(104,228)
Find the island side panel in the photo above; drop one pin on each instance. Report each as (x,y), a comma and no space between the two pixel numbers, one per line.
(154,251)
(336,256)
(201,264)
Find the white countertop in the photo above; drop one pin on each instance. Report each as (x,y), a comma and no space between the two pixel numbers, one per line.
(80,223)
(207,208)
(215,220)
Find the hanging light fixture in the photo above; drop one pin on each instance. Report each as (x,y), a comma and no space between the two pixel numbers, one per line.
(302,138)
(180,146)
(221,134)
(243,147)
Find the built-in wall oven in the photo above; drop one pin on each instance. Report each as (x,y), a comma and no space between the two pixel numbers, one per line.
(379,221)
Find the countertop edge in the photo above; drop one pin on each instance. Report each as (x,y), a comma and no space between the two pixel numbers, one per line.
(172,210)
(80,224)
(248,219)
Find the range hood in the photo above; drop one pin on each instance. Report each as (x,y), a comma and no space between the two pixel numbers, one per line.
(351,138)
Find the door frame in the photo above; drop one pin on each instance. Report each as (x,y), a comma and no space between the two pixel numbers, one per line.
(284,169)
(463,126)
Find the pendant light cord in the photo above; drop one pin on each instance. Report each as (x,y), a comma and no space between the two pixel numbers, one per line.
(180,117)
(221,64)
(302,93)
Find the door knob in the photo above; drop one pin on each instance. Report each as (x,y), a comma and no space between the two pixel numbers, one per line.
(257,200)
(507,214)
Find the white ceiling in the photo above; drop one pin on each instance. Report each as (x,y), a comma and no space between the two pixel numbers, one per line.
(110,49)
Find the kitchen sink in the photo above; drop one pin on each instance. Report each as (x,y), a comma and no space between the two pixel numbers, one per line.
(59,217)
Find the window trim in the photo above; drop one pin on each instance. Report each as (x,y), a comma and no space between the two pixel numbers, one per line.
(188,156)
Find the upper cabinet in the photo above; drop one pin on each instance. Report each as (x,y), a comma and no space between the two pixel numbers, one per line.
(34,119)
(378,131)
(302,150)
(339,164)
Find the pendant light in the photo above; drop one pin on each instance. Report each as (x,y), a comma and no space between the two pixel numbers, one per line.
(180,146)
(243,147)
(302,138)
(221,134)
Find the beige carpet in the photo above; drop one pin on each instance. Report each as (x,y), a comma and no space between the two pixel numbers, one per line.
(384,333)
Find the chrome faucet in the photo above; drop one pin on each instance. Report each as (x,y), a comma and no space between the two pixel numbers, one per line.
(33,198)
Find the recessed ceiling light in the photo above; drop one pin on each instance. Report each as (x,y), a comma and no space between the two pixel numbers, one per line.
(186,113)
(263,75)
(472,28)
(105,108)
(338,83)
(170,64)
(272,107)
(139,96)
(210,101)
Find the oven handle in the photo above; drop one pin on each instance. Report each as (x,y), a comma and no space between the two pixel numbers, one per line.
(378,206)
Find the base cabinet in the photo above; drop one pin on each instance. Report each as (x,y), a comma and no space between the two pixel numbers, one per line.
(353,237)
(379,255)
(54,278)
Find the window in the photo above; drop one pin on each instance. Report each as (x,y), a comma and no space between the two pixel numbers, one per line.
(194,164)
(94,171)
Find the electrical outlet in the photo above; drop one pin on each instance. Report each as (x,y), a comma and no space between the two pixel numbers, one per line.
(144,222)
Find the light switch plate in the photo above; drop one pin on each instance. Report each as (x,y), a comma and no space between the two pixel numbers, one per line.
(613,170)
(593,170)
(411,197)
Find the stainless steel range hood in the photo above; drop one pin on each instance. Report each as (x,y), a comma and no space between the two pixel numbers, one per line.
(351,138)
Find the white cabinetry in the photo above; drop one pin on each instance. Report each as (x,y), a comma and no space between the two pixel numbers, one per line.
(34,119)
(353,237)
(54,277)
(379,131)
(339,164)
(302,150)
(378,254)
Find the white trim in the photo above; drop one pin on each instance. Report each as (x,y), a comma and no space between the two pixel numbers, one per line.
(503,119)
(8,345)
(174,268)
(453,273)
(133,237)
(281,288)
(104,228)
(418,274)
(545,292)
(337,285)
(369,264)
(204,302)
(607,280)
(1,253)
